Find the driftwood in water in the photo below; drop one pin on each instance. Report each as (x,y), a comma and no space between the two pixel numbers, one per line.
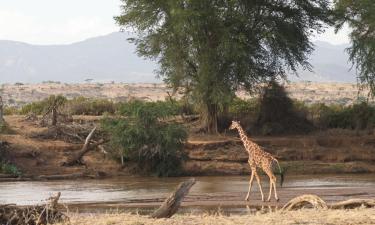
(173,202)
(318,203)
(32,215)
(77,158)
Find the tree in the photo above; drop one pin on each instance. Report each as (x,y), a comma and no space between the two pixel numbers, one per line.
(211,48)
(360,16)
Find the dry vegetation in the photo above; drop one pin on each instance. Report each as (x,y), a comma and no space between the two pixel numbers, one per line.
(305,216)
(19,94)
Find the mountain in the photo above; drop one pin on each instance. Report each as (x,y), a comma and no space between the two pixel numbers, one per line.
(105,58)
(112,58)
(330,64)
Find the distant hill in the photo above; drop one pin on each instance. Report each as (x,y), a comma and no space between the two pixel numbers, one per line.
(112,58)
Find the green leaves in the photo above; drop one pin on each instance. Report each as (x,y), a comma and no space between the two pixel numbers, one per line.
(211,48)
(146,138)
(360,17)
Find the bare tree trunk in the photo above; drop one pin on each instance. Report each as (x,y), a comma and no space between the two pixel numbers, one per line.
(54,116)
(173,202)
(76,159)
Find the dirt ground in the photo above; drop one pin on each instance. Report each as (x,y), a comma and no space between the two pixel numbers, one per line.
(333,152)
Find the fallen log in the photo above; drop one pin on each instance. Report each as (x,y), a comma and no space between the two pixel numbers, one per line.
(77,158)
(303,200)
(173,202)
(64,176)
(353,203)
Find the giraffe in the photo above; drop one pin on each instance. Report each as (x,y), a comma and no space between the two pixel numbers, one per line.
(258,158)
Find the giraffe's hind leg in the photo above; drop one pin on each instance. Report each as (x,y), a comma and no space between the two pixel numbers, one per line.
(250,184)
(272,184)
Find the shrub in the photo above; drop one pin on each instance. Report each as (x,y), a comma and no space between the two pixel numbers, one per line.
(145,138)
(10,111)
(9,168)
(279,114)
(42,106)
(86,106)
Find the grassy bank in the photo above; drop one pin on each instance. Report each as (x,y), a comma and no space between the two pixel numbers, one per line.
(306,216)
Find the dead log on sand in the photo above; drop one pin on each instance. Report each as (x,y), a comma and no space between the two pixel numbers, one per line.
(353,203)
(303,200)
(318,203)
(173,202)
(33,215)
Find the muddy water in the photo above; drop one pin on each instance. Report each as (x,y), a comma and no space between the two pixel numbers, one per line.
(133,192)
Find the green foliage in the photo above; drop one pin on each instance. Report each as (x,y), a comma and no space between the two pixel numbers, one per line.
(10,111)
(279,114)
(358,116)
(211,48)
(42,106)
(9,168)
(360,17)
(145,137)
(86,106)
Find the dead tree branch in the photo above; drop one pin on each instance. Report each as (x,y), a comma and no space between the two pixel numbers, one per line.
(77,158)
(173,202)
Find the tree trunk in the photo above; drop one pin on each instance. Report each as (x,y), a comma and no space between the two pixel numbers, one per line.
(173,202)
(211,119)
(1,112)
(54,115)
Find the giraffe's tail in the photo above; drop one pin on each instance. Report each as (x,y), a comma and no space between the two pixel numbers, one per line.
(281,172)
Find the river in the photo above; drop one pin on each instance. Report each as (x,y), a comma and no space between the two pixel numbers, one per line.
(210,192)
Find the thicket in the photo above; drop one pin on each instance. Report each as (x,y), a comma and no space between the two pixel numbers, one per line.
(144,136)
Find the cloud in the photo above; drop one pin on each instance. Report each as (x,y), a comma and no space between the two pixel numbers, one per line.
(21,27)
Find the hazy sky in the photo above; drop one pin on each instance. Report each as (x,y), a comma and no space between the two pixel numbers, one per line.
(66,21)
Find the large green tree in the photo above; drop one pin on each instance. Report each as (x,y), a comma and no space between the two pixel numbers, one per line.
(212,48)
(360,16)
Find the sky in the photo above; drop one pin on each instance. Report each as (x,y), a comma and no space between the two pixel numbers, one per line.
(46,22)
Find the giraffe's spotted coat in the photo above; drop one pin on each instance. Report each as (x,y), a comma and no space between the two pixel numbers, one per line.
(258,158)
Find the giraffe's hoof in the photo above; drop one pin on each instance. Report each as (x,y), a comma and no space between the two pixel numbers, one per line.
(277,199)
(263,200)
(268,200)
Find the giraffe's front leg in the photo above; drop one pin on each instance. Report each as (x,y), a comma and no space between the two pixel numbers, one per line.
(250,184)
(260,185)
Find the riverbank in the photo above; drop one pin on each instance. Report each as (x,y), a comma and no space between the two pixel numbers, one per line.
(330,152)
(306,216)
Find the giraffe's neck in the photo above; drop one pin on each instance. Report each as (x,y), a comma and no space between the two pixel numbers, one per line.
(246,141)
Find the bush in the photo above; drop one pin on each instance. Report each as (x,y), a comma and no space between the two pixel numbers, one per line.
(279,114)
(145,138)
(9,168)
(86,106)
(10,111)
(41,107)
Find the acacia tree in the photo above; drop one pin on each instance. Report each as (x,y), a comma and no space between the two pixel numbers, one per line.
(360,16)
(212,48)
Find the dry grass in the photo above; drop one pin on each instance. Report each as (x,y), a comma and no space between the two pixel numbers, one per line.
(305,216)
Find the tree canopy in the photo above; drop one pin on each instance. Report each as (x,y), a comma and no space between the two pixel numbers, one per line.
(360,16)
(210,49)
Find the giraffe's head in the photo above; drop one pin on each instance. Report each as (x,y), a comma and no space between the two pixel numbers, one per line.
(234,125)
